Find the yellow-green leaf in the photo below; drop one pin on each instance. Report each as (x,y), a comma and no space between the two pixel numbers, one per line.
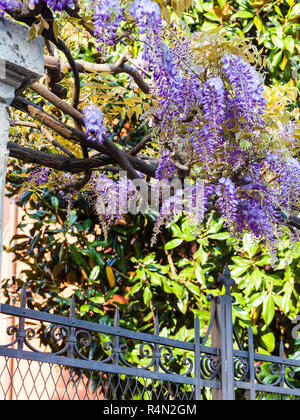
(110,277)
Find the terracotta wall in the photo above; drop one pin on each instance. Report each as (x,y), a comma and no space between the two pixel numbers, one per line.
(20,379)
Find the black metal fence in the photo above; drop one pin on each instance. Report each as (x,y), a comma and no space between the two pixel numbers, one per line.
(137,366)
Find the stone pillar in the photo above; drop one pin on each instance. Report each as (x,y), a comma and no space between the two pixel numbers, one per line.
(4,130)
(21,63)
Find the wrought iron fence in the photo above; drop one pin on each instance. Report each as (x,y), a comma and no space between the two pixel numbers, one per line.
(138,366)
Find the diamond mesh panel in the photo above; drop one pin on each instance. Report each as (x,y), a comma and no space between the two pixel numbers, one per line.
(34,380)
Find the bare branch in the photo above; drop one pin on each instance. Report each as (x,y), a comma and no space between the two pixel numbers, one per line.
(294,221)
(120,157)
(56,101)
(56,143)
(83,66)
(126,161)
(52,160)
(136,149)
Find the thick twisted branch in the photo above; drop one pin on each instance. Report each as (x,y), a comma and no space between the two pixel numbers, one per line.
(294,221)
(53,63)
(58,102)
(52,160)
(127,162)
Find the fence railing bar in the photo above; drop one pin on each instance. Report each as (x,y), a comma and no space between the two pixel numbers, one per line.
(117,349)
(90,326)
(267,388)
(156,353)
(197,360)
(97,366)
(251,393)
(259,357)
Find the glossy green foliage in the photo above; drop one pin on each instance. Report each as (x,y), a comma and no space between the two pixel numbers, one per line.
(64,253)
(273,26)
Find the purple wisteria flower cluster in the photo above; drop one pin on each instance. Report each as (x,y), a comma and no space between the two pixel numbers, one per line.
(147,15)
(111,199)
(110,13)
(38,176)
(59,5)
(94,124)
(56,5)
(107,18)
(166,168)
(248,93)
(8,5)
(211,123)
(214,121)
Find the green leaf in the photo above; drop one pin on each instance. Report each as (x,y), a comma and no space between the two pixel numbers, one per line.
(208,26)
(201,255)
(135,288)
(238,271)
(173,244)
(54,202)
(193,288)
(147,295)
(258,23)
(72,218)
(94,273)
(268,310)
(276,59)
(249,245)
(256,278)
(98,299)
(278,11)
(222,236)
(215,227)
(221,3)
(241,313)
(265,260)
(259,300)
(212,16)
(166,286)
(156,279)
(183,304)
(295,12)
(178,290)
(277,42)
(289,44)
(285,304)
(244,14)
(241,262)
(200,275)
(269,341)
(84,309)
(248,26)
(76,257)
(176,230)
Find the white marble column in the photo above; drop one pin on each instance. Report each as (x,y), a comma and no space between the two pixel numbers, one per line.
(21,63)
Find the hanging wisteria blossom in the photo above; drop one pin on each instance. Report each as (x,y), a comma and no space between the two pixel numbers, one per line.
(8,5)
(94,124)
(57,5)
(211,122)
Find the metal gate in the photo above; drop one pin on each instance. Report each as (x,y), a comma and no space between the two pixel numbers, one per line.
(96,361)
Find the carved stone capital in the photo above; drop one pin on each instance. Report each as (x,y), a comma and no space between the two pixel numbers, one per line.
(21,61)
